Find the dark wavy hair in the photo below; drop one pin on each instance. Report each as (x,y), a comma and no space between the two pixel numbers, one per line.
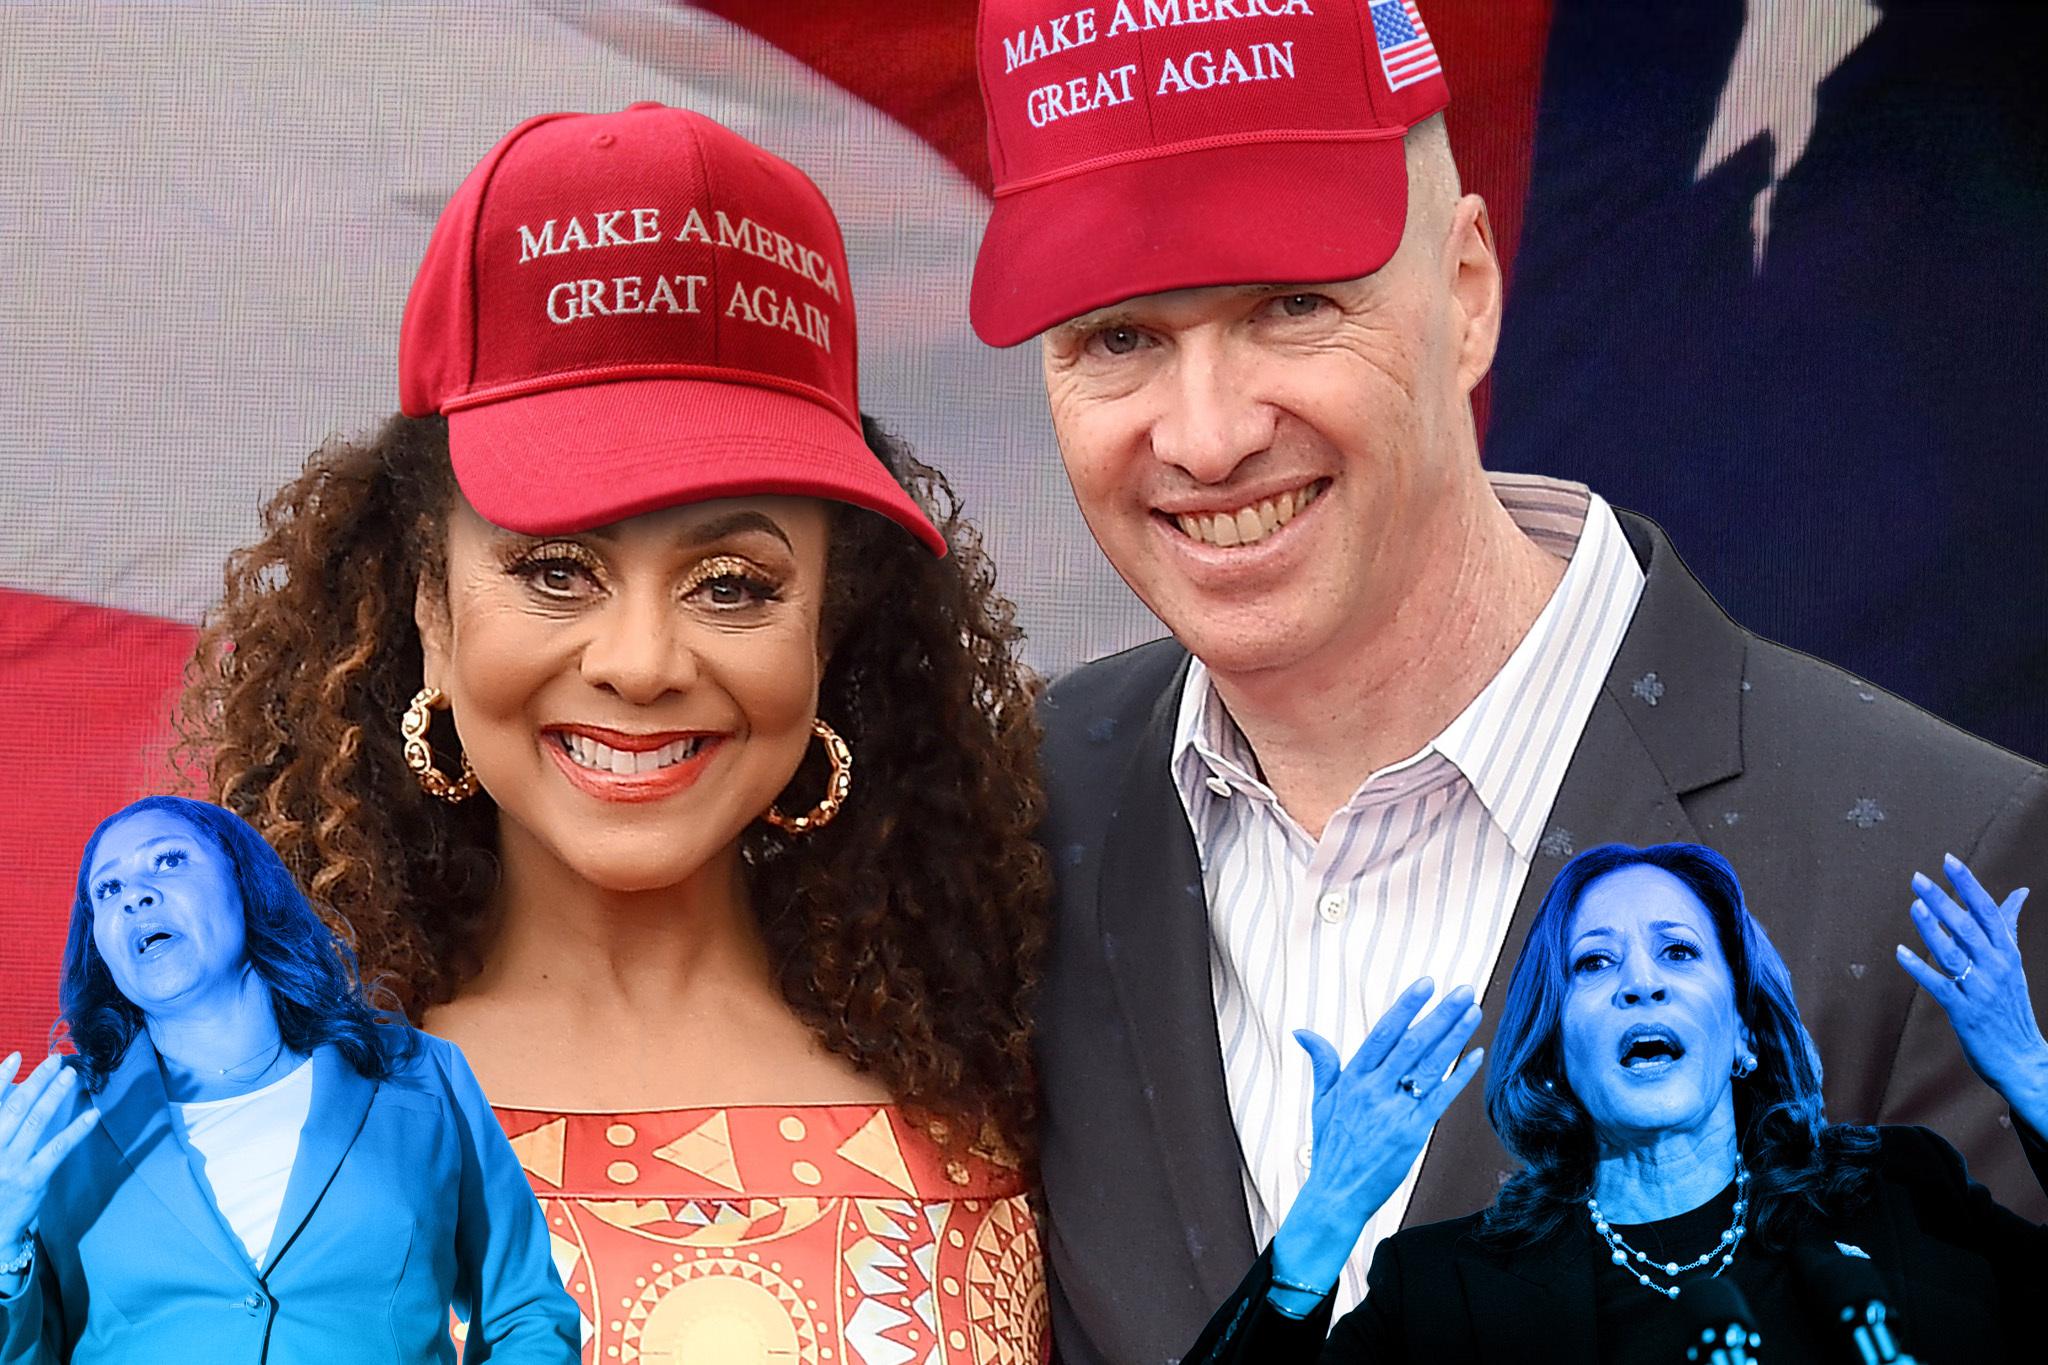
(907,933)
(1802,1169)
(314,989)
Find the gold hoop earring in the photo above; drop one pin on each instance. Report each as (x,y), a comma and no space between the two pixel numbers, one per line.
(419,755)
(836,789)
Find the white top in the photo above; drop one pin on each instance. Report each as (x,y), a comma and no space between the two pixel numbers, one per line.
(247,1146)
(1417,875)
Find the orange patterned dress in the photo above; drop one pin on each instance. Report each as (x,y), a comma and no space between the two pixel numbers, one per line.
(786,1235)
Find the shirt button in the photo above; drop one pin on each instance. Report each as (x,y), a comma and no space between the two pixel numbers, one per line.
(1216,784)
(1307,1151)
(1332,907)
(254,1303)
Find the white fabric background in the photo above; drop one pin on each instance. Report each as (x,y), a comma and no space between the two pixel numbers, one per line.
(213,211)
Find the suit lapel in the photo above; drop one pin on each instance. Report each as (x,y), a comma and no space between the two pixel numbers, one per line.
(1535,1306)
(135,1112)
(1667,721)
(341,1101)
(1154,922)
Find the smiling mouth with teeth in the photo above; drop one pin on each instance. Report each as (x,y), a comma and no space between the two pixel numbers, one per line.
(585,752)
(1247,525)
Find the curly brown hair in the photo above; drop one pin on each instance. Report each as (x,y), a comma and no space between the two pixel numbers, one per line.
(907,933)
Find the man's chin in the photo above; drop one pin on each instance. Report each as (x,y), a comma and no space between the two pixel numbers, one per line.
(1240,648)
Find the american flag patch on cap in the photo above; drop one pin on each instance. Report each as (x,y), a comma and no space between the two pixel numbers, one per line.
(1406,54)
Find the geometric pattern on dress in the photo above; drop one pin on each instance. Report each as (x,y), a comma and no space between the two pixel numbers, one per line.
(784,1235)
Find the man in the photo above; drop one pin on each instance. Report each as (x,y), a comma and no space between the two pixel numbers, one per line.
(1399,694)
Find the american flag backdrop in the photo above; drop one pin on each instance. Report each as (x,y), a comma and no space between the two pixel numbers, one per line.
(211,213)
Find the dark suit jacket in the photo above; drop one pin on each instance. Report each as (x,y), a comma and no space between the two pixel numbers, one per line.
(1825,792)
(404,1199)
(1963,1274)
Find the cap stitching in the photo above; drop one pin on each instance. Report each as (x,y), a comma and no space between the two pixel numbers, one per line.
(476,223)
(1199,145)
(718,258)
(611,374)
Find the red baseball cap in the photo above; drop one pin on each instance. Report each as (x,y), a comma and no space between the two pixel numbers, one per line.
(1147,145)
(624,312)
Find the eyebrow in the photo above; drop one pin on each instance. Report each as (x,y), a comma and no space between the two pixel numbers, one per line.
(732,523)
(1656,926)
(703,533)
(1124,314)
(99,871)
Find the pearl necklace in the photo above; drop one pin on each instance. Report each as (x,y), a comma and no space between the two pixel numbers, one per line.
(1725,1248)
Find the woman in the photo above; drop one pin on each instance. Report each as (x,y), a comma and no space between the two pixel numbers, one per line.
(1653,1074)
(277,1174)
(625,702)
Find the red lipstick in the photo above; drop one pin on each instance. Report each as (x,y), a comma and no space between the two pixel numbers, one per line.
(604,785)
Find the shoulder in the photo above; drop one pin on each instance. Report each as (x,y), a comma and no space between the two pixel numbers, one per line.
(1920,1157)
(78,1101)
(1096,717)
(1875,782)
(1817,743)
(429,1065)
(1429,1247)
(1790,692)
(1098,701)
(1096,721)
(1812,708)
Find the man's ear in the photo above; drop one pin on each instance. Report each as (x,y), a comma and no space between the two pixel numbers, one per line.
(1473,271)
(437,630)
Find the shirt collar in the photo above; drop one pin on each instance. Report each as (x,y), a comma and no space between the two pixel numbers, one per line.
(1514,740)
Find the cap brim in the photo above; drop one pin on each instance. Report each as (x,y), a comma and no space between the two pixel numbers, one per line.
(575,458)
(1265,212)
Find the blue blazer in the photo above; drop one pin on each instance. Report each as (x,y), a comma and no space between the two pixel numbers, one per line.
(404,1200)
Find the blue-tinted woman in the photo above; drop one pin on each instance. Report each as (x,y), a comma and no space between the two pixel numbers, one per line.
(244,1162)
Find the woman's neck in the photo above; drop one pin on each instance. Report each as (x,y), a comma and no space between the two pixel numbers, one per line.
(1661,1175)
(554,934)
(602,1001)
(223,1046)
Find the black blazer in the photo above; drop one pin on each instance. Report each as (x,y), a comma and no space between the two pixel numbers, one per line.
(1964,1273)
(1826,793)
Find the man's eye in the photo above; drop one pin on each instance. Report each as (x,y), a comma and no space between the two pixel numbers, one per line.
(1300,305)
(1120,340)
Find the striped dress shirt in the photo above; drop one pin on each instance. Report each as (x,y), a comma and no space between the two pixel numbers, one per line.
(1417,875)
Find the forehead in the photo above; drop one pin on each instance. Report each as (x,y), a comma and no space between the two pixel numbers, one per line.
(132,832)
(1187,307)
(1629,898)
(786,518)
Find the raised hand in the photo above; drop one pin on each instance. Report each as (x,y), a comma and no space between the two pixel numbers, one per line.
(26,1159)
(1371,1119)
(1976,976)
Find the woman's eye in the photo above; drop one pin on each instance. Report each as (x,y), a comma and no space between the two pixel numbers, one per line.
(106,889)
(557,577)
(1591,962)
(730,590)
(1684,952)
(170,858)
(730,583)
